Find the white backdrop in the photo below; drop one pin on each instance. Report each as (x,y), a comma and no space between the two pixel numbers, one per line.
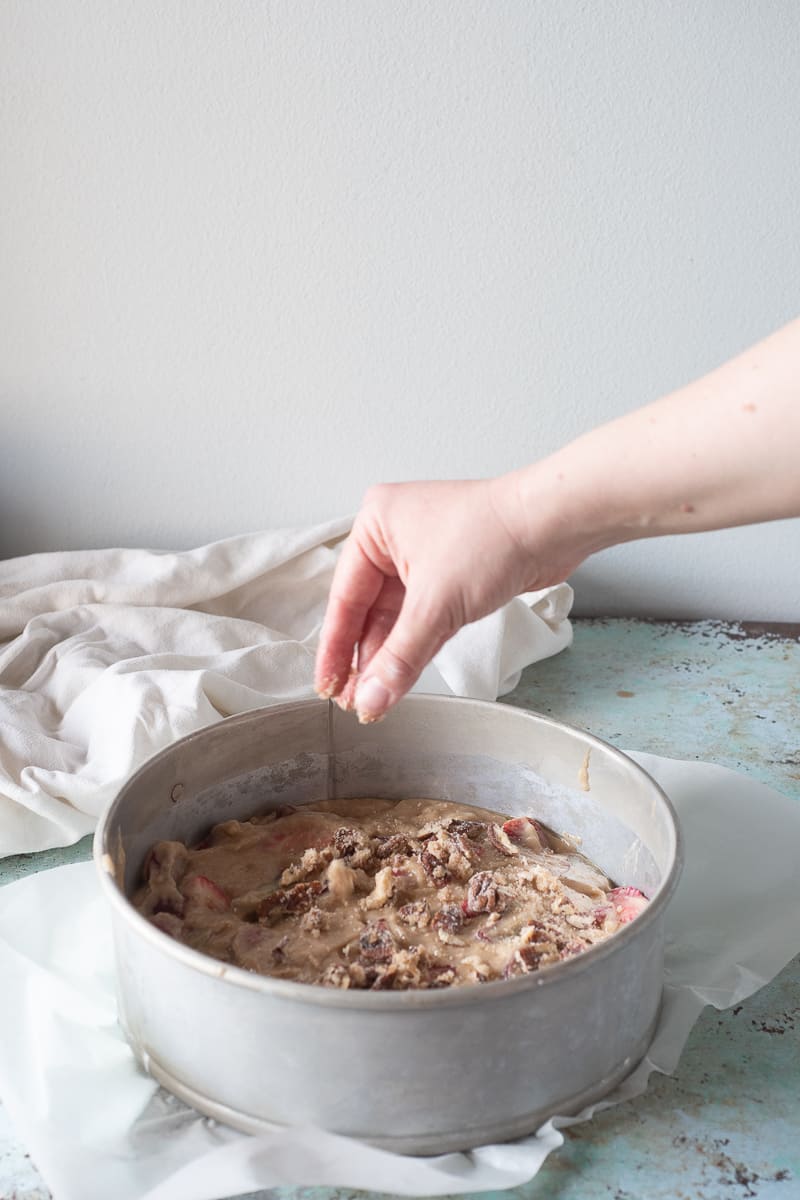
(258,255)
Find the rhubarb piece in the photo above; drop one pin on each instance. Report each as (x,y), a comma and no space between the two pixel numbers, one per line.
(501,841)
(525,832)
(202,890)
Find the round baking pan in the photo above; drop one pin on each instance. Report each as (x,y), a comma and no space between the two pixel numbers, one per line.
(420,1071)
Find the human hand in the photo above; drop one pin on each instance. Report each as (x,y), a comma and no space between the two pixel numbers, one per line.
(422,560)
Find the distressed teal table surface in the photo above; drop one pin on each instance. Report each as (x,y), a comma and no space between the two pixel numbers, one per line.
(727,1125)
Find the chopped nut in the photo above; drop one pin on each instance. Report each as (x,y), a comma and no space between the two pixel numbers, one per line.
(470,829)
(314,920)
(484,895)
(396,844)
(416,914)
(376,943)
(435,869)
(336,975)
(352,845)
(447,922)
(266,904)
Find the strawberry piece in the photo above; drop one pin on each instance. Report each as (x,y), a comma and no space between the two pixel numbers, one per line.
(515,827)
(203,890)
(627,903)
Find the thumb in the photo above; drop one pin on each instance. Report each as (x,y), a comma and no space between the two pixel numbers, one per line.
(412,642)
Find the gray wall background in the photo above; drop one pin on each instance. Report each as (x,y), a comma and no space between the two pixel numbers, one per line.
(257,256)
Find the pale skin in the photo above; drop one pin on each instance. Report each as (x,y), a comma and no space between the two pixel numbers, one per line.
(423,559)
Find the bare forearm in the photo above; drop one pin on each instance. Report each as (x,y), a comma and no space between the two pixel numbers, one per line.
(426,558)
(722,451)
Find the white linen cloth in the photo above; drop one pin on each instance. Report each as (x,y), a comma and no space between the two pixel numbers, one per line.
(96,1126)
(106,656)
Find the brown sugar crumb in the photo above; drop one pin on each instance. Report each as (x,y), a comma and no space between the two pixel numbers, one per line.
(384,895)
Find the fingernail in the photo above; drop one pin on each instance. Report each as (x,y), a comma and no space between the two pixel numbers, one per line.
(372,699)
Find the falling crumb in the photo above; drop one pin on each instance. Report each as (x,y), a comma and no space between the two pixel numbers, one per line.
(583,774)
(625,695)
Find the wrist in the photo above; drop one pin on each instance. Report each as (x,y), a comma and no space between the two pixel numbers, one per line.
(559,511)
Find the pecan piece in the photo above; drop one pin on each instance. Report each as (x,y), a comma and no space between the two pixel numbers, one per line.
(336,975)
(473,830)
(483,895)
(376,943)
(384,981)
(435,869)
(259,905)
(416,914)
(353,845)
(396,844)
(524,962)
(447,922)
(449,917)
(314,920)
(301,896)
(438,975)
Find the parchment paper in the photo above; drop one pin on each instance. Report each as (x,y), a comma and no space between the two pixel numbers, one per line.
(96,1126)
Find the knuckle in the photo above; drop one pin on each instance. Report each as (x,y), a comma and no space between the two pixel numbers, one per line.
(436,613)
(397,667)
(373,495)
